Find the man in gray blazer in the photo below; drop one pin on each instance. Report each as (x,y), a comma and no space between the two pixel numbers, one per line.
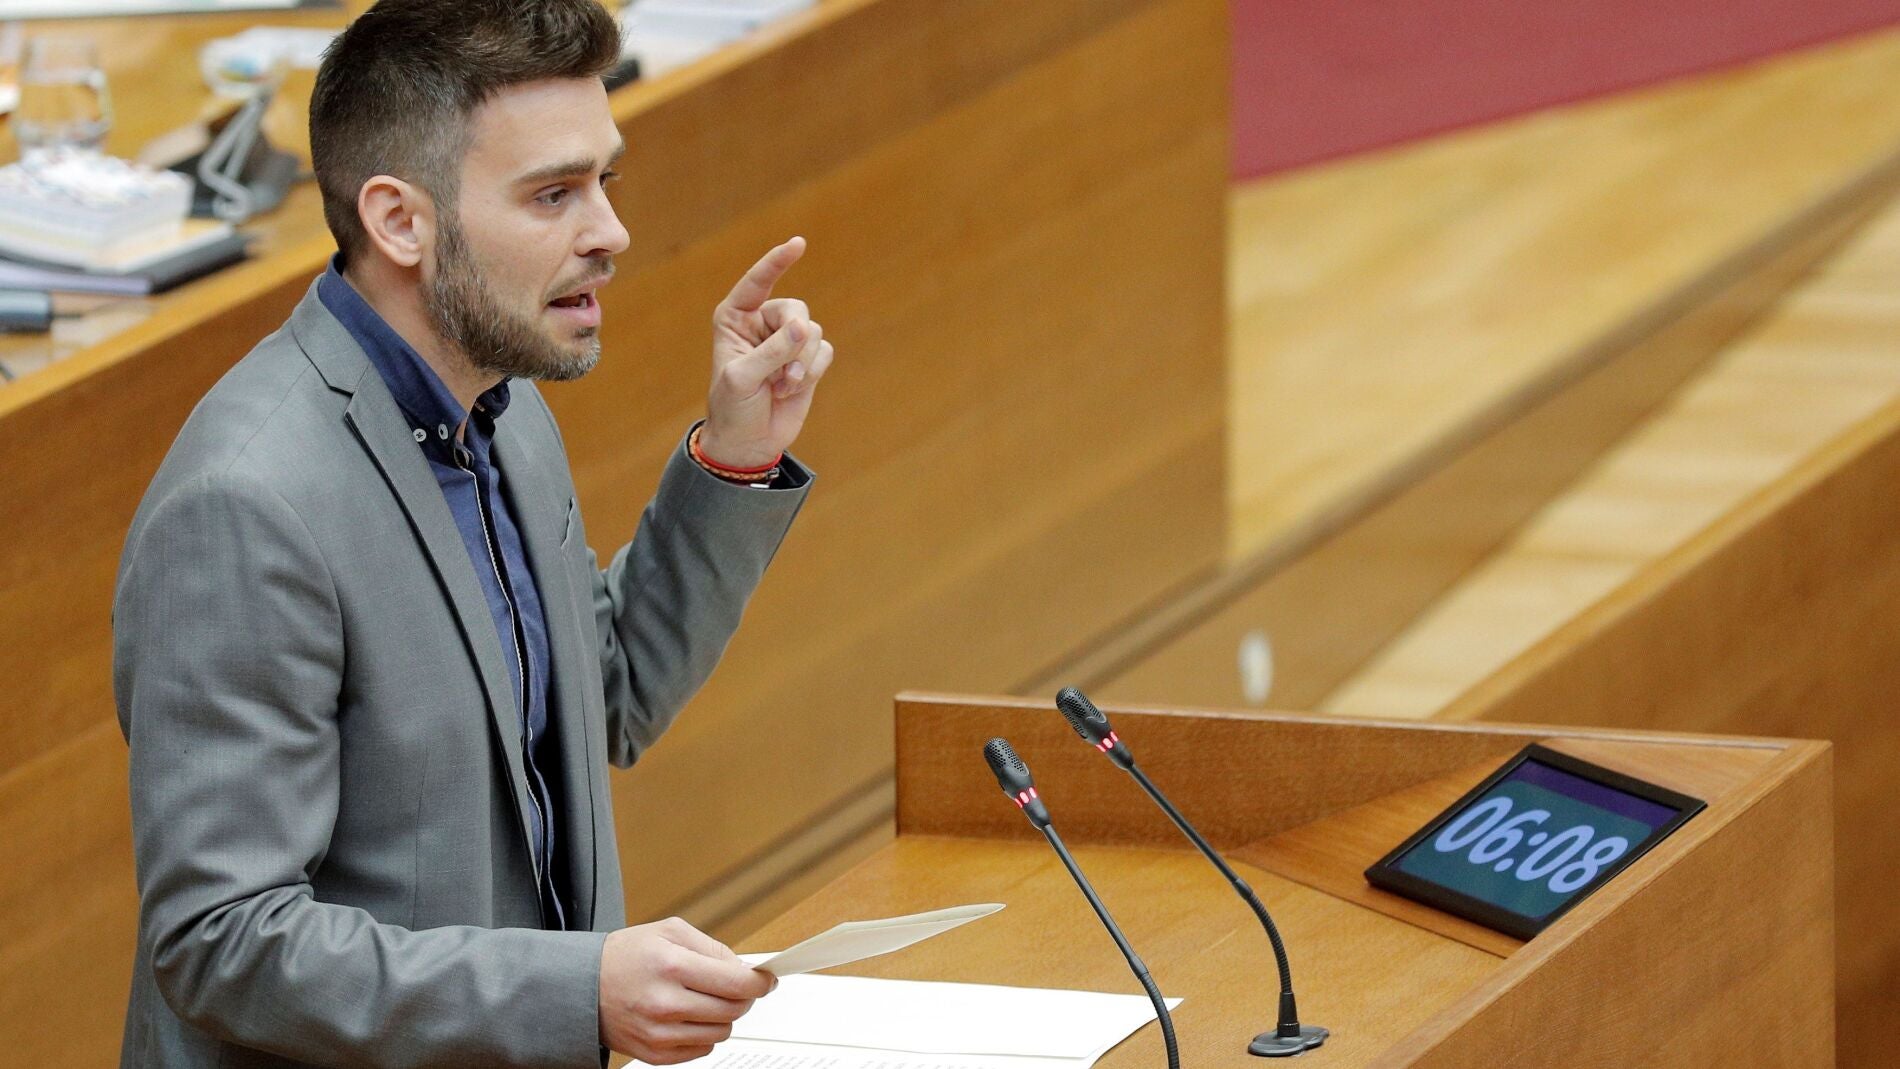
(370,672)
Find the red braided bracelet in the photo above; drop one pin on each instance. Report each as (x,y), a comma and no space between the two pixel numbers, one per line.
(721,470)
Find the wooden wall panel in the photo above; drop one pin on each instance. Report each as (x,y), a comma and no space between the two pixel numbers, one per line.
(1342,586)
(1779,619)
(1017,246)
(69,902)
(1239,780)
(80,450)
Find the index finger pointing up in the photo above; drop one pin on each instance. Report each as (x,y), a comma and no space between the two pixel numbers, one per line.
(755,288)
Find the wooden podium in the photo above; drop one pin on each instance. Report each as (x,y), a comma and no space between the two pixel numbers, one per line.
(1716,948)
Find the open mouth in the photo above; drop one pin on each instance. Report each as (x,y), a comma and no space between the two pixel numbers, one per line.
(580,311)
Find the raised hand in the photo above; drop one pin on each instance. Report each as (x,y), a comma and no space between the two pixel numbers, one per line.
(768,356)
(668,991)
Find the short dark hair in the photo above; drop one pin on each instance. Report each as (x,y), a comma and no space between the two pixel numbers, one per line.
(396,89)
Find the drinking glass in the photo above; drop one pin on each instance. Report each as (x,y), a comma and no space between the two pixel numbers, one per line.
(12,44)
(63,99)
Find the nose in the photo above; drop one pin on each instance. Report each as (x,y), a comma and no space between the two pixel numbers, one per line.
(604,235)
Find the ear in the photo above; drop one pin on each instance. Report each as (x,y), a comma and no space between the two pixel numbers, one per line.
(398,217)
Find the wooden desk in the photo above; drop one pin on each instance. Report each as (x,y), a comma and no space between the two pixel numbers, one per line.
(1690,957)
(1016,214)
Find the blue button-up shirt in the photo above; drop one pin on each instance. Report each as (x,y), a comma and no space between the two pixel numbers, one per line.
(472,485)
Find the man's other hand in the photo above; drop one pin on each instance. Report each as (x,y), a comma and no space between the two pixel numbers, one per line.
(768,356)
(668,991)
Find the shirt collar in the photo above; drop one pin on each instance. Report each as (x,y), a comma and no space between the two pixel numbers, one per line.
(431,409)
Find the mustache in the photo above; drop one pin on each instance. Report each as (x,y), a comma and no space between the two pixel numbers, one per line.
(598,278)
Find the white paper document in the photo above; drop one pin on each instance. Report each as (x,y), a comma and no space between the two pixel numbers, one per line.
(765,1054)
(857,940)
(73,9)
(850,1022)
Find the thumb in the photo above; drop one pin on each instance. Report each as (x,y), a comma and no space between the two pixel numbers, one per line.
(691,938)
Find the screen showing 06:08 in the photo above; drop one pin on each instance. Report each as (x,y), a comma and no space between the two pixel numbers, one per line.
(1536,838)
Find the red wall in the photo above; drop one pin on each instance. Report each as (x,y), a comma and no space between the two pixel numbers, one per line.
(1314,79)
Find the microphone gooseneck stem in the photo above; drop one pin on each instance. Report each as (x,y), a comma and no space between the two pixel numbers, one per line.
(1121,941)
(1287,1012)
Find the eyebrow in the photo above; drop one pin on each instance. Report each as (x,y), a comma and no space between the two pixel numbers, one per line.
(569,168)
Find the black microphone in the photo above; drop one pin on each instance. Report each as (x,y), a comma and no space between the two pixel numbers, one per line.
(1288,1036)
(1013,776)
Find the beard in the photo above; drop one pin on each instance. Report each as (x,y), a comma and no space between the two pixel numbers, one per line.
(497,339)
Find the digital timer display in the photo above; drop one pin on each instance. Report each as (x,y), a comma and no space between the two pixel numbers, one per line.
(1532,840)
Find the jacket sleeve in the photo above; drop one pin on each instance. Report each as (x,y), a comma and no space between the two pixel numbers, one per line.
(228,665)
(669,602)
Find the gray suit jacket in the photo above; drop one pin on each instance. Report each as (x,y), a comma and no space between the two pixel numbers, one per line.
(328,806)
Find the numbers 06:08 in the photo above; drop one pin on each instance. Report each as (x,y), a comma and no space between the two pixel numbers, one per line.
(1491,832)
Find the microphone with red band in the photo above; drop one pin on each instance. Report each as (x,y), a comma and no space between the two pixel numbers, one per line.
(1288,1036)
(1013,776)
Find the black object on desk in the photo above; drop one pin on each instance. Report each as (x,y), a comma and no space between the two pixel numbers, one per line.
(625,72)
(240,174)
(93,9)
(1531,841)
(25,311)
(190,262)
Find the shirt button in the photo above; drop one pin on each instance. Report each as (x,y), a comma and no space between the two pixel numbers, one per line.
(442,431)
(421,435)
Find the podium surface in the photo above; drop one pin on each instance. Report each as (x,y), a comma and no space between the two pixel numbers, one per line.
(1716,947)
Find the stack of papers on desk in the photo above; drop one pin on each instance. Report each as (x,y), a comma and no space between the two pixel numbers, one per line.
(199,247)
(76,9)
(849,1022)
(665,34)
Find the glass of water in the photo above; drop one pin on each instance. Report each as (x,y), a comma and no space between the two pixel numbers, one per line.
(63,99)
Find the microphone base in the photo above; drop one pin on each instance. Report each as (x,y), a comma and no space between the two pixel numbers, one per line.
(1275,1045)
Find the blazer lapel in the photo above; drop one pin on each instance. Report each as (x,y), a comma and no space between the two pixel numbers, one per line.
(379,424)
(541,520)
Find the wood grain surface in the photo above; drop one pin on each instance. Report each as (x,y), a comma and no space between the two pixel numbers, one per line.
(1789,636)
(1820,362)
(70,904)
(1663,965)
(1241,775)
(1369,978)
(1681,958)
(1237,781)
(1380,304)
(1412,380)
(1777,619)
(1333,852)
(997,473)
(1334,599)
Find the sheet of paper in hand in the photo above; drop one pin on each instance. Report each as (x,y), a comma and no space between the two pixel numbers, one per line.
(857,940)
